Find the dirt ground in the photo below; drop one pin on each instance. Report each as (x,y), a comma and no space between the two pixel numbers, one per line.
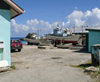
(46,65)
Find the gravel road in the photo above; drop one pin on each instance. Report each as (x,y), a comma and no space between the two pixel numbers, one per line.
(46,65)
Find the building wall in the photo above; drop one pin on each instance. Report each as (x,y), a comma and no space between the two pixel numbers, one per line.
(94,38)
(5,31)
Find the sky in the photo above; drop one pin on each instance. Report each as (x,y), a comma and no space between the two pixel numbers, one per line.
(42,16)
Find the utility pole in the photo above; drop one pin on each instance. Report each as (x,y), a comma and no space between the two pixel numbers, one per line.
(82,29)
(74,28)
(38,32)
(99,66)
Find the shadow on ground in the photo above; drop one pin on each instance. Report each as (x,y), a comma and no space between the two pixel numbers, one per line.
(85,65)
(14,51)
(82,50)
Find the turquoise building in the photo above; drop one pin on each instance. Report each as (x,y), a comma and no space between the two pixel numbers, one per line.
(93,38)
(8,10)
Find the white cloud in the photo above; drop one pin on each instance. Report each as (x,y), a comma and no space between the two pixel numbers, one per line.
(76,18)
(18,27)
(14,25)
(32,26)
(93,17)
(24,27)
(32,22)
(79,19)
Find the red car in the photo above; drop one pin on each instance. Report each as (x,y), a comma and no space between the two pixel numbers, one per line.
(16,45)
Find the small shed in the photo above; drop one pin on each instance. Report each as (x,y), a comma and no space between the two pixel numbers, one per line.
(8,10)
(93,38)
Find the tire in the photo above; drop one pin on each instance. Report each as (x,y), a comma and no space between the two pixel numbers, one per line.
(19,50)
(28,43)
(12,50)
(74,44)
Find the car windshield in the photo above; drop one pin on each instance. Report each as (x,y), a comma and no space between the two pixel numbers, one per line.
(15,41)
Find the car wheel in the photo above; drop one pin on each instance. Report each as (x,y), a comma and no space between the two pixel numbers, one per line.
(19,50)
(12,50)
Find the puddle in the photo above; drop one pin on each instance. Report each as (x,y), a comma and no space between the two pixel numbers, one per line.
(56,57)
(17,62)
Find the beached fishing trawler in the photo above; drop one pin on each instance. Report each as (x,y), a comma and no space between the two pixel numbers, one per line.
(60,36)
(32,38)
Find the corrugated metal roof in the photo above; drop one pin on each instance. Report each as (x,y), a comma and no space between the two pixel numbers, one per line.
(93,29)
